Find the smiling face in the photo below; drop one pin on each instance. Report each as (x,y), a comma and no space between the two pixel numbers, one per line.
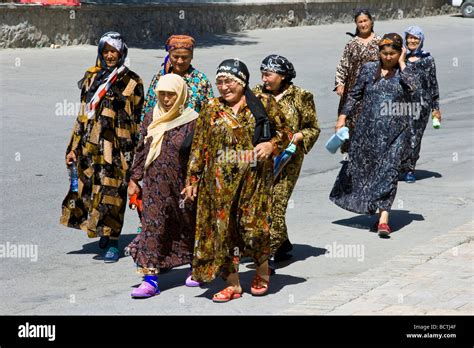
(167,99)
(389,57)
(110,55)
(412,42)
(364,24)
(229,89)
(181,60)
(272,81)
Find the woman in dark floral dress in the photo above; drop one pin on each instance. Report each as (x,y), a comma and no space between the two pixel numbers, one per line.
(428,96)
(167,239)
(231,171)
(368,180)
(362,48)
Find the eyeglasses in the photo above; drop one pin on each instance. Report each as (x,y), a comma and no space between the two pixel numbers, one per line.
(226,82)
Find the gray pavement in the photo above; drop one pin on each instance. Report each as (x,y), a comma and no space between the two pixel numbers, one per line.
(332,247)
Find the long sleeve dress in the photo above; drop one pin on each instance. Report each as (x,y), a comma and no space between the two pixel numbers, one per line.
(104,147)
(234,190)
(167,237)
(428,99)
(356,53)
(299,110)
(369,179)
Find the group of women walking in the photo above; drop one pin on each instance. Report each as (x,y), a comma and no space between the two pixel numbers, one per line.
(206,210)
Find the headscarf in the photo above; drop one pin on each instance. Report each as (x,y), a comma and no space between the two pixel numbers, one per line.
(357,13)
(418,33)
(238,71)
(280,65)
(393,40)
(175,42)
(104,76)
(163,120)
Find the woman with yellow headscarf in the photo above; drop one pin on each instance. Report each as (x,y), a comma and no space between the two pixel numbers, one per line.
(167,237)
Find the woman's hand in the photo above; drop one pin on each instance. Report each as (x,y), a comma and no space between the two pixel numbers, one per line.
(71,157)
(264,150)
(437,114)
(401,60)
(297,138)
(133,188)
(340,90)
(341,122)
(190,192)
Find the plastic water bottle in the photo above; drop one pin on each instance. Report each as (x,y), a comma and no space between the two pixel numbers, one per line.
(73,177)
(436,123)
(337,139)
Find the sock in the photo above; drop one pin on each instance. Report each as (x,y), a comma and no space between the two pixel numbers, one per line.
(104,240)
(152,280)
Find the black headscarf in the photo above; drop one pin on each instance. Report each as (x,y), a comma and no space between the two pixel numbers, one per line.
(357,13)
(237,70)
(280,65)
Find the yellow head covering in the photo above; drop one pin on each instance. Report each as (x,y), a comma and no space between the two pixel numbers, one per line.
(163,120)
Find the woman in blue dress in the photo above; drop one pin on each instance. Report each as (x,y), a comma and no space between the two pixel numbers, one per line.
(427,97)
(368,180)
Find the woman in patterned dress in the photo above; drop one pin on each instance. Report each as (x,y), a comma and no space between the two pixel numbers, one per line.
(167,238)
(103,144)
(368,180)
(230,171)
(428,97)
(362,48)
(297,105)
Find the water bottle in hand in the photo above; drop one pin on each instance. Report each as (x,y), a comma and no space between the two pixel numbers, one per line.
(73,177)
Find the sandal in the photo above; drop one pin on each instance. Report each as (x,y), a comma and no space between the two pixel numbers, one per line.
(259,286)
(226,295)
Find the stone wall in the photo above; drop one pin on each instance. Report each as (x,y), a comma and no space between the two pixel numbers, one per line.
(149,25)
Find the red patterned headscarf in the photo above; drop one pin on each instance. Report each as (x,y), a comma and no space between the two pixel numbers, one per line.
(175,42)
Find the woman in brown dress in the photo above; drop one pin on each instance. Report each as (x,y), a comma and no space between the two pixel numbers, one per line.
(167,238)
(362,48)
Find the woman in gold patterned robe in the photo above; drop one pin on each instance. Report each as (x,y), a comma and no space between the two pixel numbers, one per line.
(230,171)
(298,107)
(102,145)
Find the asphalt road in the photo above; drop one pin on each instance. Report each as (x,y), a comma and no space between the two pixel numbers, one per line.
(66,279)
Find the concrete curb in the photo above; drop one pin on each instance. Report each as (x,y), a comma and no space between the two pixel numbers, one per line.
(328,300)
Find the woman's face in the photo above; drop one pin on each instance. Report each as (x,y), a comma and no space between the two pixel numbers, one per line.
(272,81)
(412,42)
(110,55)
(229,89)
(389,57)
(364,24)
(181,60)
(167,99)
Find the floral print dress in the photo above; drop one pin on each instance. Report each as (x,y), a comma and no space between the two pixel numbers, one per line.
(369,179)
(299,110)
(234,190)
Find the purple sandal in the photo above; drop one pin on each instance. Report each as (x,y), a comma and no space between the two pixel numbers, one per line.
(145,290)
(190,281)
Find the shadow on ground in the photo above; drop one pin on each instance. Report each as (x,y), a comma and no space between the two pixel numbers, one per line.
(93,247)
(398,220)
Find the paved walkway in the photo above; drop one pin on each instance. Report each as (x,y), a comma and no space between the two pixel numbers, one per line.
(435,278)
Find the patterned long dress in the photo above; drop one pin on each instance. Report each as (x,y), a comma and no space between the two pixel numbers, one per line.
(428,98)
(234,190)
(368,180)
(104,147)
(356,53)
(167,237)
(200,90)
(299,110)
